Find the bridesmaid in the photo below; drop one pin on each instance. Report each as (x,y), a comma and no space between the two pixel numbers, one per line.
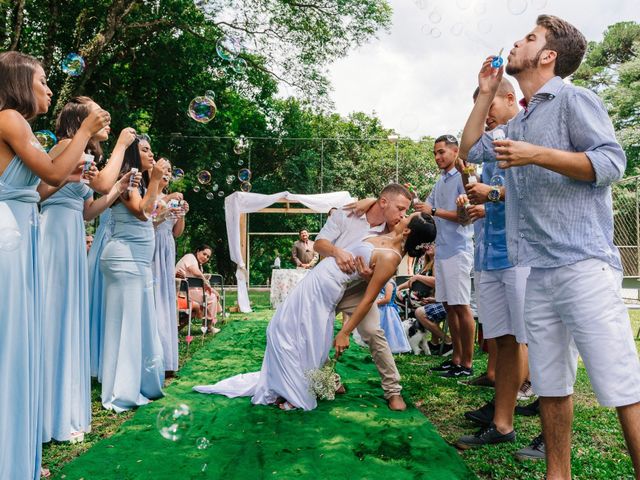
(67,382)
(168,227)
(24,95)
(132,372)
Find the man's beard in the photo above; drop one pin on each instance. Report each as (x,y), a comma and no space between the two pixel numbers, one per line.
(529,64)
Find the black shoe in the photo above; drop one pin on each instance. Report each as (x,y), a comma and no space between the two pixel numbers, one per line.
(535,450)
(458,372)
(481,381)
(435,348)
(482,416)
(485,436)
(530,410)
(445,366)
(447,349)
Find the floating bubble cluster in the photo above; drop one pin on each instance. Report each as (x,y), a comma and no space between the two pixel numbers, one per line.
(73,65)
(46,138)
(174,422)
(229,179)
(202,109)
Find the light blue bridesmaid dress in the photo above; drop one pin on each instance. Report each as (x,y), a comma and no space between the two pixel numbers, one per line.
(391,323)
(96,291)
(164,272)
(132,365)
(67,380)
(20,324)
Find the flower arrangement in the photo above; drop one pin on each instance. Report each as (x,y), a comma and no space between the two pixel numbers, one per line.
(324,381)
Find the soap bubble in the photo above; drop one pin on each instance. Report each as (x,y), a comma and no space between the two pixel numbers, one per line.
(457,29)
(484,26)
(196,188)
(153,363)
(46,138)
(219,73)
(228,48)
(174,422)
(215,187)
(229,179)
(177,173)
(210,94)
(239,65)
(435,17)
(463,4)
(240,145)
(216,164)
(245,186)
(204,177)
(221,193)
(73,65)
(435,32)
(10,239)
(481,8)
(240,162)
(497,181)
(202,109)
(244,175)
(517,7)
(209,196)
(202,443)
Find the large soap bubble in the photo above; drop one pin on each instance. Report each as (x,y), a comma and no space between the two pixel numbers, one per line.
(204,177)
(228,48)
(10,239)
(174,422)
(73,65)
(202,109)
(46,138)
(245,186)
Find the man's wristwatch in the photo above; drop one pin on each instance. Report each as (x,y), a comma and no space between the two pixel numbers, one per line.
(494,194)
(433,211)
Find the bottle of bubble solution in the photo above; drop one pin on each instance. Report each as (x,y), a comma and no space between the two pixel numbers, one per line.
(132,178)
(88,161)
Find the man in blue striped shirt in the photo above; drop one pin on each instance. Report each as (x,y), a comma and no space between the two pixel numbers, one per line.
(561,156)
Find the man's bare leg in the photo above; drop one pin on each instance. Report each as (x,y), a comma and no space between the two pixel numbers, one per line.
(629,417)
(557,416)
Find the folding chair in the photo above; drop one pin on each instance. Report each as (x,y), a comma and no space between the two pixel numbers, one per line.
(216,280)
(196,282)
(182,290)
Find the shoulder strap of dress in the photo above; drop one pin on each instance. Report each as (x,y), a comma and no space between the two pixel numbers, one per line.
(388,249)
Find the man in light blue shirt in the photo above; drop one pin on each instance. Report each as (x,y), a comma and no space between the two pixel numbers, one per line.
(561,157)
(454,258)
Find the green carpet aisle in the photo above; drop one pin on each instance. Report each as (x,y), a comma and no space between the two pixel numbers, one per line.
(355,436)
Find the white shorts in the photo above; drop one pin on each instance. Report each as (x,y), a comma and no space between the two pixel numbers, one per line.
(453,279)
(501,302)
(578,309)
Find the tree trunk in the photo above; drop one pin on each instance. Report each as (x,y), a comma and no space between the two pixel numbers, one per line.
(17,26)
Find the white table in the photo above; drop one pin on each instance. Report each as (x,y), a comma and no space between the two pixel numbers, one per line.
(283,280)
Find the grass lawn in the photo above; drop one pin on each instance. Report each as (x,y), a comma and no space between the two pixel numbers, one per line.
(598,447)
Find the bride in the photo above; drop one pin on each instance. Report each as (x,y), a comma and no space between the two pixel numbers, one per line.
(300,333)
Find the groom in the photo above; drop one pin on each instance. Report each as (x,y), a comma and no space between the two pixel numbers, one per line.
(342,230)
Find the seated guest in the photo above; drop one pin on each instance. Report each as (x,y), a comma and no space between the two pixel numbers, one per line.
(302,251)
(88,239)
(190,266)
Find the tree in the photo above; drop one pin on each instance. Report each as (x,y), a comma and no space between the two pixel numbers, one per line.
(612,69)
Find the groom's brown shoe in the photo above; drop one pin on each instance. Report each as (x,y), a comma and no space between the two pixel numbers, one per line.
(396,402)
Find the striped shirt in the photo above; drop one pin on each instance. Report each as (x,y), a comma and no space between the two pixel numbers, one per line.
(551,219)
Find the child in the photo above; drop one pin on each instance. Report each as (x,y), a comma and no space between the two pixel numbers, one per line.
(390,320)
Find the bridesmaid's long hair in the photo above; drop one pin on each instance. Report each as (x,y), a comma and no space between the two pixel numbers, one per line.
(69,121)
(16,83)
(132,160)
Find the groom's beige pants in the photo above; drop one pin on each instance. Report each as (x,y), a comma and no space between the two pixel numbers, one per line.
(371,332)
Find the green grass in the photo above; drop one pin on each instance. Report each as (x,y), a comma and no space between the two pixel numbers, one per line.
(598,450)
(598,447)
(356,435)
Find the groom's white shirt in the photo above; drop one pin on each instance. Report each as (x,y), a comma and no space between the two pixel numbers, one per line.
(343,230)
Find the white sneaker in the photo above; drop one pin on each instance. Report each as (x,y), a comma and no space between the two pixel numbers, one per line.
(214,330)
(526,391)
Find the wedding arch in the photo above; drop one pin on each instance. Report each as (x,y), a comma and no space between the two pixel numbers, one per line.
(239,204)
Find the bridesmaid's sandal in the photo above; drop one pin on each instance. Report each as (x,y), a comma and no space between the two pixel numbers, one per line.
(45,473)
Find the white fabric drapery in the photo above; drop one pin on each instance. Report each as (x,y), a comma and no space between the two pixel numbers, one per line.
(245,202)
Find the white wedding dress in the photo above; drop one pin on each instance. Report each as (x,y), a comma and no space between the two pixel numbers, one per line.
(299,338)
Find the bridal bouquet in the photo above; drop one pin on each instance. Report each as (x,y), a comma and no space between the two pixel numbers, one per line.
(324,381)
